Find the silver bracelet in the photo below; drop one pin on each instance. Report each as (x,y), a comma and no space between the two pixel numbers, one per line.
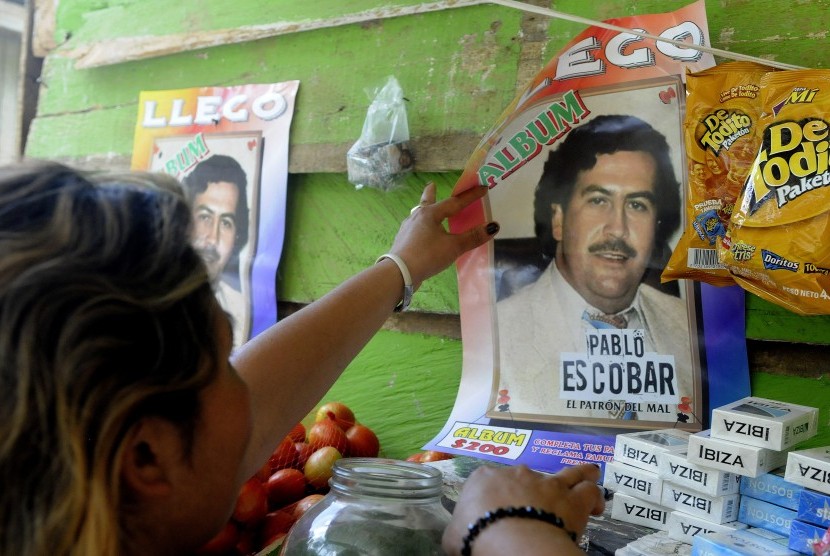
(408,290)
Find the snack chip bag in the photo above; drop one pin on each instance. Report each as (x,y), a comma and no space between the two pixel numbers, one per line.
(723,106)
(778,242)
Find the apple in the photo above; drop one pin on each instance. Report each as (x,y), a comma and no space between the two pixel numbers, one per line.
(285,486)
(252,502)
(318,468)
(327,433)
(337,411)
(363,443)
(284,455)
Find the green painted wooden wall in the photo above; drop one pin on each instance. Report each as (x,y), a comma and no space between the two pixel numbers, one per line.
(459,66)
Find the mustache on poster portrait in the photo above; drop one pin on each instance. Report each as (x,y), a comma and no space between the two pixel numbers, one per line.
(209,254)
(615,246)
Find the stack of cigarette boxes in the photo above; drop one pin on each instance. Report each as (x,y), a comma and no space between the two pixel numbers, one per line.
(751,438)
(810,469)
(632,475)
(725,490)
(702,499)
(769,502)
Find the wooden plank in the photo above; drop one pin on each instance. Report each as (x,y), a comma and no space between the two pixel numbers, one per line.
(30,69)
(12,17)
(767,321)
(810,361)
(457,69)
(43,26)
(119,49)
(431,154)
(9,95)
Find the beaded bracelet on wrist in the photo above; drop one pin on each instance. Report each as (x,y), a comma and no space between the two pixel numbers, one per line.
(475,528)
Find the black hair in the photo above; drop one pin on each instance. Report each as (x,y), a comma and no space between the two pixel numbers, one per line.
(578,152)
(220,167)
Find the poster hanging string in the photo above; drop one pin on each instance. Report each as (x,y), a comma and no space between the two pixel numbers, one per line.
(590,22)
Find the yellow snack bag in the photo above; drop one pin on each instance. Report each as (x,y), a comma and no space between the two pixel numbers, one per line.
(723,106)
(778,242)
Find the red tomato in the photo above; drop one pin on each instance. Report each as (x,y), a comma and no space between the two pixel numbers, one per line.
(416,457)
(337,411)
(363,443)
(431,455)
(252,502)
(277,523)
(318,468)
(263,472)
(247,543)
(297,434)
(224,541)
(327,433)
(306,504)
(285,486)
(284,455)
(304,449)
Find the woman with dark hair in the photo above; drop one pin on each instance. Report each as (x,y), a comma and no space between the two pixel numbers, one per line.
(125,425)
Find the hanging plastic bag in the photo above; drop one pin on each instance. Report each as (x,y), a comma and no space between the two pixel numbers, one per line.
(381,157)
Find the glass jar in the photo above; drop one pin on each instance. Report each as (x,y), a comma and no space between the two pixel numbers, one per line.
(375,507)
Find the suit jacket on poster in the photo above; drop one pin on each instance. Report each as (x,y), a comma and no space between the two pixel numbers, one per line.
(532,333)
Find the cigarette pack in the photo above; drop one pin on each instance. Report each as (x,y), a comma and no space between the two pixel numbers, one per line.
(758,513)
(621,477)
(810,468)
(639,512)
(804,535)
(772,487)
(655,544)
(737,543)
(718,509)
(640,449)
(764,423)
(684,527)
(772,535)
(728,455)
(814,507)
(676,468)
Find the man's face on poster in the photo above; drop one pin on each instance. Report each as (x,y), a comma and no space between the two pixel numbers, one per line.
(606,232)
(214,233)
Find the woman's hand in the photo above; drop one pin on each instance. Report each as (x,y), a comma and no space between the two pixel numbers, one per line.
(572,494)
(425,245)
